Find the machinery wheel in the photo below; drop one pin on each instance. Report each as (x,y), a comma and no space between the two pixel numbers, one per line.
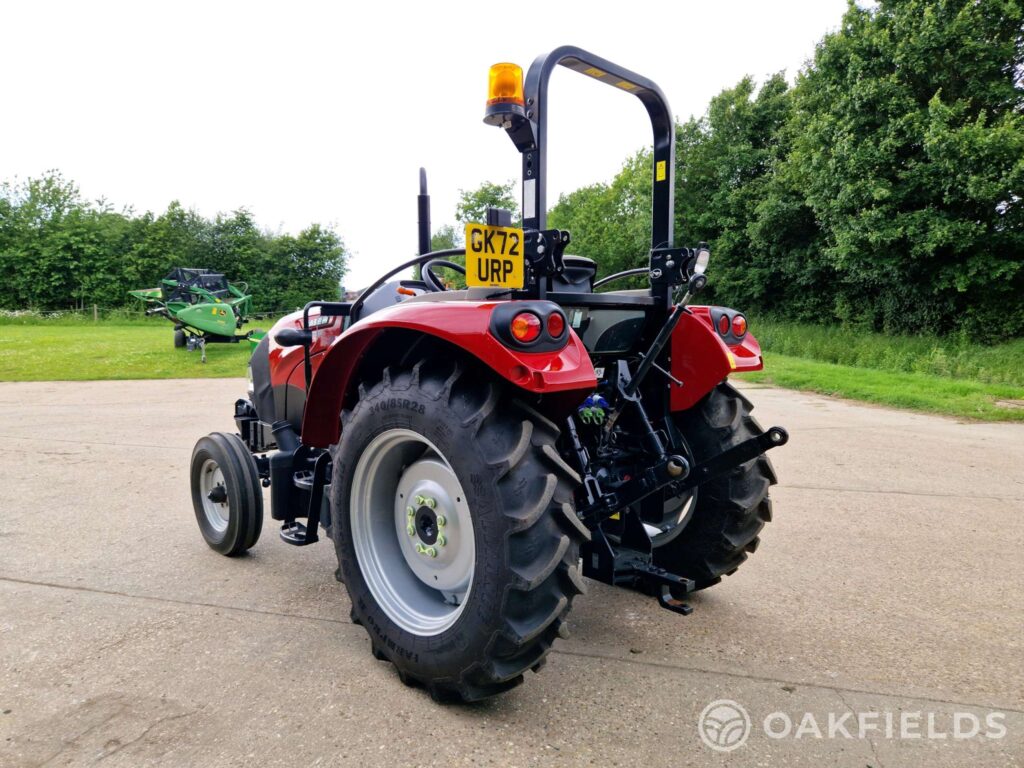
(179,338)
(723,517)
(455,529)
(226,493)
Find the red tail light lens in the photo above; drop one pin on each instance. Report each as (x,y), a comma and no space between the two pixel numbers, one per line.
(739,326)
(723,325)
(556,325)
(525,327)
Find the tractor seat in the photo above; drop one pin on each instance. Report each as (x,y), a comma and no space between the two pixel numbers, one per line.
(578,276)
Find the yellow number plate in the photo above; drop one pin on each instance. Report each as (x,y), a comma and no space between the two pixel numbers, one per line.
(494,257)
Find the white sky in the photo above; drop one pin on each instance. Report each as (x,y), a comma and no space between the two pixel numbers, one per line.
(308,112)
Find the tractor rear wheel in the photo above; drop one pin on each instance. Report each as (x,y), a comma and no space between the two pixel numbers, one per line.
(720,520)
(454,526)
(226,493)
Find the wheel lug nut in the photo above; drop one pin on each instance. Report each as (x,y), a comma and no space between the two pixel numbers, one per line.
(410,512)
(420,549)
(431,552)
(441,540)
(431,503)
(411,529)
(420,500)
(441,522)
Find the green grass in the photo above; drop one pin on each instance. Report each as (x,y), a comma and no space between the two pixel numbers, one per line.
(920,373)
(70,350)
(913,391)
(944,357)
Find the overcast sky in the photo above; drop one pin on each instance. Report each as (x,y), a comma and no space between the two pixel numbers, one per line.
(306,112)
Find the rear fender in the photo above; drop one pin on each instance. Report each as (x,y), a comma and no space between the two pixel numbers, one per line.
(701,358)
(567,373)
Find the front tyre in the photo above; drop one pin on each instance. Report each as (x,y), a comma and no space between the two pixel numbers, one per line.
(456,534)
(226,493)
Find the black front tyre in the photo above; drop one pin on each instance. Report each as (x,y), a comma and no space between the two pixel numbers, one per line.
(454,527)
(728,514)
(226,493)
(179,338)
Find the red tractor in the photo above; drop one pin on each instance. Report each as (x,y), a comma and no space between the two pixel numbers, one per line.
(473,454)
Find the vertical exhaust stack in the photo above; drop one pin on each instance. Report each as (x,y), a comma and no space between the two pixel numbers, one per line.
(423,207)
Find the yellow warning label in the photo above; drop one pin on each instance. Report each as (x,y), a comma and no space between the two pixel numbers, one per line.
(593,72)
(659,171)
(625,85)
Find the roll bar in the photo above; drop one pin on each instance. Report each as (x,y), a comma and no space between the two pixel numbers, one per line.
(530,135)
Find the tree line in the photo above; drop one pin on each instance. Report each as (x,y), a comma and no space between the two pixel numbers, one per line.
(58,251)
(884,189)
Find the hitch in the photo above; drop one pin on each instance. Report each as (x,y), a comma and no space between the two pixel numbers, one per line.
(630,565)
(731,458)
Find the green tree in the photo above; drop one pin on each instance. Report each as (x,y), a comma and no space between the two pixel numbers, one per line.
(908,146)
(473,204)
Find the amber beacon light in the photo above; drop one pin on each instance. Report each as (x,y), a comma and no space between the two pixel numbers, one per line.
(504,95)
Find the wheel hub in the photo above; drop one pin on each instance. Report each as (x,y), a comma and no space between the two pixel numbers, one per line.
(215,495)
(419,564)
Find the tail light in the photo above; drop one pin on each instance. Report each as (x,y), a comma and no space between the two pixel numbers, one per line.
(530,326)
(739,326)
(723,324)
(556,325)
(525,327)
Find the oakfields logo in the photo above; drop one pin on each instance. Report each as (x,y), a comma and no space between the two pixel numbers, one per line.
(724,725)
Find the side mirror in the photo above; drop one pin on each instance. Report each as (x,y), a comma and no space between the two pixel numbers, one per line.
(294,337)
(700,265)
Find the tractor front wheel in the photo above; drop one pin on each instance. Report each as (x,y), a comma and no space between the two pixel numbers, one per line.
(226,493)
(455,529)
(179,338)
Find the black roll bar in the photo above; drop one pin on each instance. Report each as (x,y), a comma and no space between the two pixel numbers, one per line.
(530,135)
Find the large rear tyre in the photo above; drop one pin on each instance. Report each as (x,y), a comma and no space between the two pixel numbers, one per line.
(726,515)
(455,530)
(226,493)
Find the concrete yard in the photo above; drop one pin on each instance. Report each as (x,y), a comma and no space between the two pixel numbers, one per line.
(890,584)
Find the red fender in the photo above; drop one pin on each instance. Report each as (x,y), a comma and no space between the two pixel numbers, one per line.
(701,358)
(462,323)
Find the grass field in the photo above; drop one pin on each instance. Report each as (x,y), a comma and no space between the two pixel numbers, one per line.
(923,373)
(109,350)
(919,373)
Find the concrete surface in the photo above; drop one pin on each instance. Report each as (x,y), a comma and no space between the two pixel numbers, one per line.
(889,582)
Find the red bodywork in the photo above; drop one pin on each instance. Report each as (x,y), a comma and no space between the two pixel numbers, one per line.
(700,358)
(464,324)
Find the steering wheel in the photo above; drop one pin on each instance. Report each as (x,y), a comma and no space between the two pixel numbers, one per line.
(433,282)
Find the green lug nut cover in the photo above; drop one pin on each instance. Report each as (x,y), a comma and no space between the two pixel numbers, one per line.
(432,503)
(441,540)
(420,499)
(431,551)
(410,512)
(420,549)
(411,529)
(441,521)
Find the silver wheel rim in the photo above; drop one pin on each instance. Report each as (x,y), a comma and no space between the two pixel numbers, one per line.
(412,532)
(211,479)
